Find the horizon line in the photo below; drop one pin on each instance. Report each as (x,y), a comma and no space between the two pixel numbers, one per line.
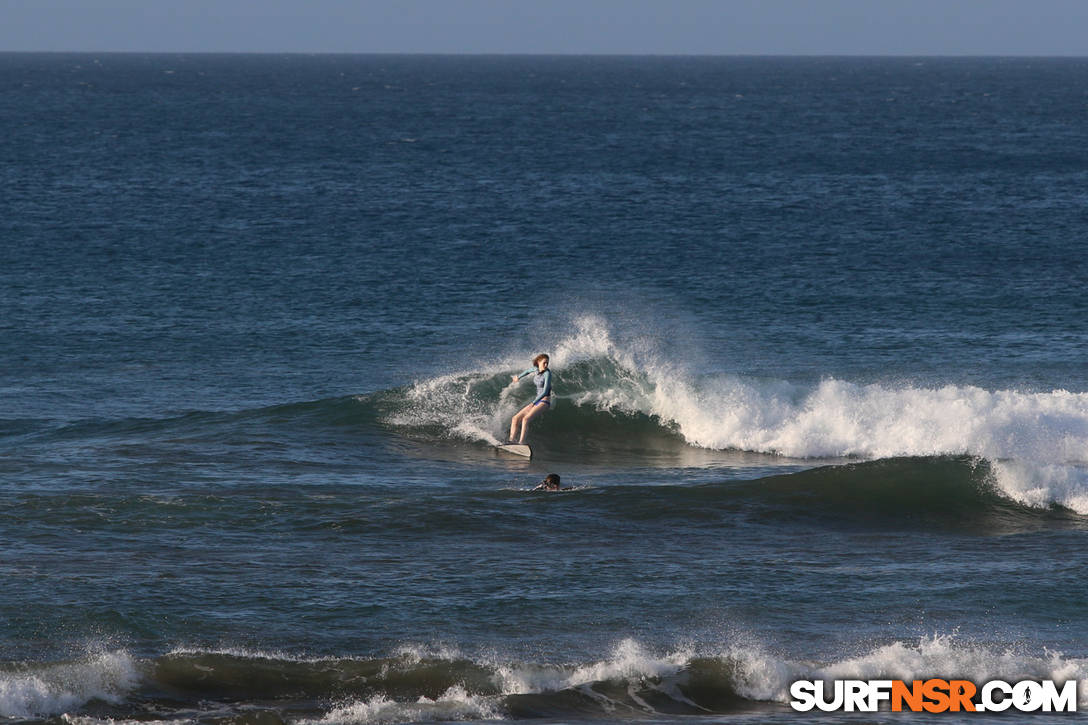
(488,54)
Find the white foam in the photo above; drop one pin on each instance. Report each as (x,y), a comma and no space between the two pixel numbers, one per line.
(758,675)
(451,402)
(54,689)
(629,661)
(454,704)
(411,653)
(1037,484)
(244,653)
(1043,435)
(837,419)
(88,720)
(764,677)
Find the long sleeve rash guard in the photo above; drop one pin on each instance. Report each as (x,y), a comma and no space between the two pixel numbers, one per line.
(543,383)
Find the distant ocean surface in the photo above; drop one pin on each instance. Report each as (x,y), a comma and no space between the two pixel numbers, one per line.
(818,327)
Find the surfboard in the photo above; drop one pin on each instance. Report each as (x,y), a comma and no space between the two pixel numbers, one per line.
(518,449)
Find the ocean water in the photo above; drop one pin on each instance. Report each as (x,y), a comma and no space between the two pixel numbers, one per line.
(819,334)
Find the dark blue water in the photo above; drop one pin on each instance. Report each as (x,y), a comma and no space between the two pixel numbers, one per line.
(818,329)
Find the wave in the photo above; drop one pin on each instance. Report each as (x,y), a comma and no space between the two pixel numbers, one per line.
(420,684)
(636,391)
(28,691)
(613,395)
(955,494)
(628,402)
(959,493)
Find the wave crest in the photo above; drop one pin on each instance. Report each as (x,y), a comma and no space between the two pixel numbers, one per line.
(46,690)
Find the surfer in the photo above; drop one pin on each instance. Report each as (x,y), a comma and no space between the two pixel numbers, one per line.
(542,402)
(550,483)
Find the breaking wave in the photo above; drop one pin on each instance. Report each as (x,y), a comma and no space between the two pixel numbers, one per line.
(623,397)
(419,684)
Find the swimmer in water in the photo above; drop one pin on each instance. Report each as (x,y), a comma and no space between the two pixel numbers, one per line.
(550,483)
(542,402)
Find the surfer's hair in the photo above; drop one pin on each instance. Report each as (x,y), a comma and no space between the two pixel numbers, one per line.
(538,358)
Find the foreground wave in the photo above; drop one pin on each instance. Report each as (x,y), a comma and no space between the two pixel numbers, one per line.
(422,684)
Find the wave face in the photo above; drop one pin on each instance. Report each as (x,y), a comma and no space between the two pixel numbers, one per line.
(419,684)
(942,492)
(632,398)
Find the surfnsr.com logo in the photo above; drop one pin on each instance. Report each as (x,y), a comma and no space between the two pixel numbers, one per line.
(933,695)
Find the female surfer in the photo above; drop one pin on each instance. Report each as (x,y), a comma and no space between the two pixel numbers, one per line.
(542,402)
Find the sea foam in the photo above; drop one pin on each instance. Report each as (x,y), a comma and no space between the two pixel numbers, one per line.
(765,677)
(454,704)
(629,661)
(53,689)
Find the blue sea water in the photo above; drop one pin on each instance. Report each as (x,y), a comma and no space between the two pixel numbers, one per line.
(818,328)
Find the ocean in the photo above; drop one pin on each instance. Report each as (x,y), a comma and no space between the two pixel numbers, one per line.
(818,330)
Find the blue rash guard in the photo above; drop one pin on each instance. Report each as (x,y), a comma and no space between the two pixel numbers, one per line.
(543,384)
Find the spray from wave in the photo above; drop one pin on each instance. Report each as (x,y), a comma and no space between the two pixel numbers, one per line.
(38,691)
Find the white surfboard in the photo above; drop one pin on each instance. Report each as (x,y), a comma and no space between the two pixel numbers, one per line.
(518,449)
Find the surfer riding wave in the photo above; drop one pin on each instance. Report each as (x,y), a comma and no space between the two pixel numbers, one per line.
(543,400)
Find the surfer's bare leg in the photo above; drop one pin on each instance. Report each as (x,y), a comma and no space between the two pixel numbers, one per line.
(528,413)
(516,421)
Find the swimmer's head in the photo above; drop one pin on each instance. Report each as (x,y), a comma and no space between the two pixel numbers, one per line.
(551,482)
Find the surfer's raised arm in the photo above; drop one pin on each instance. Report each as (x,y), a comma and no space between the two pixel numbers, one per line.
(540,403)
